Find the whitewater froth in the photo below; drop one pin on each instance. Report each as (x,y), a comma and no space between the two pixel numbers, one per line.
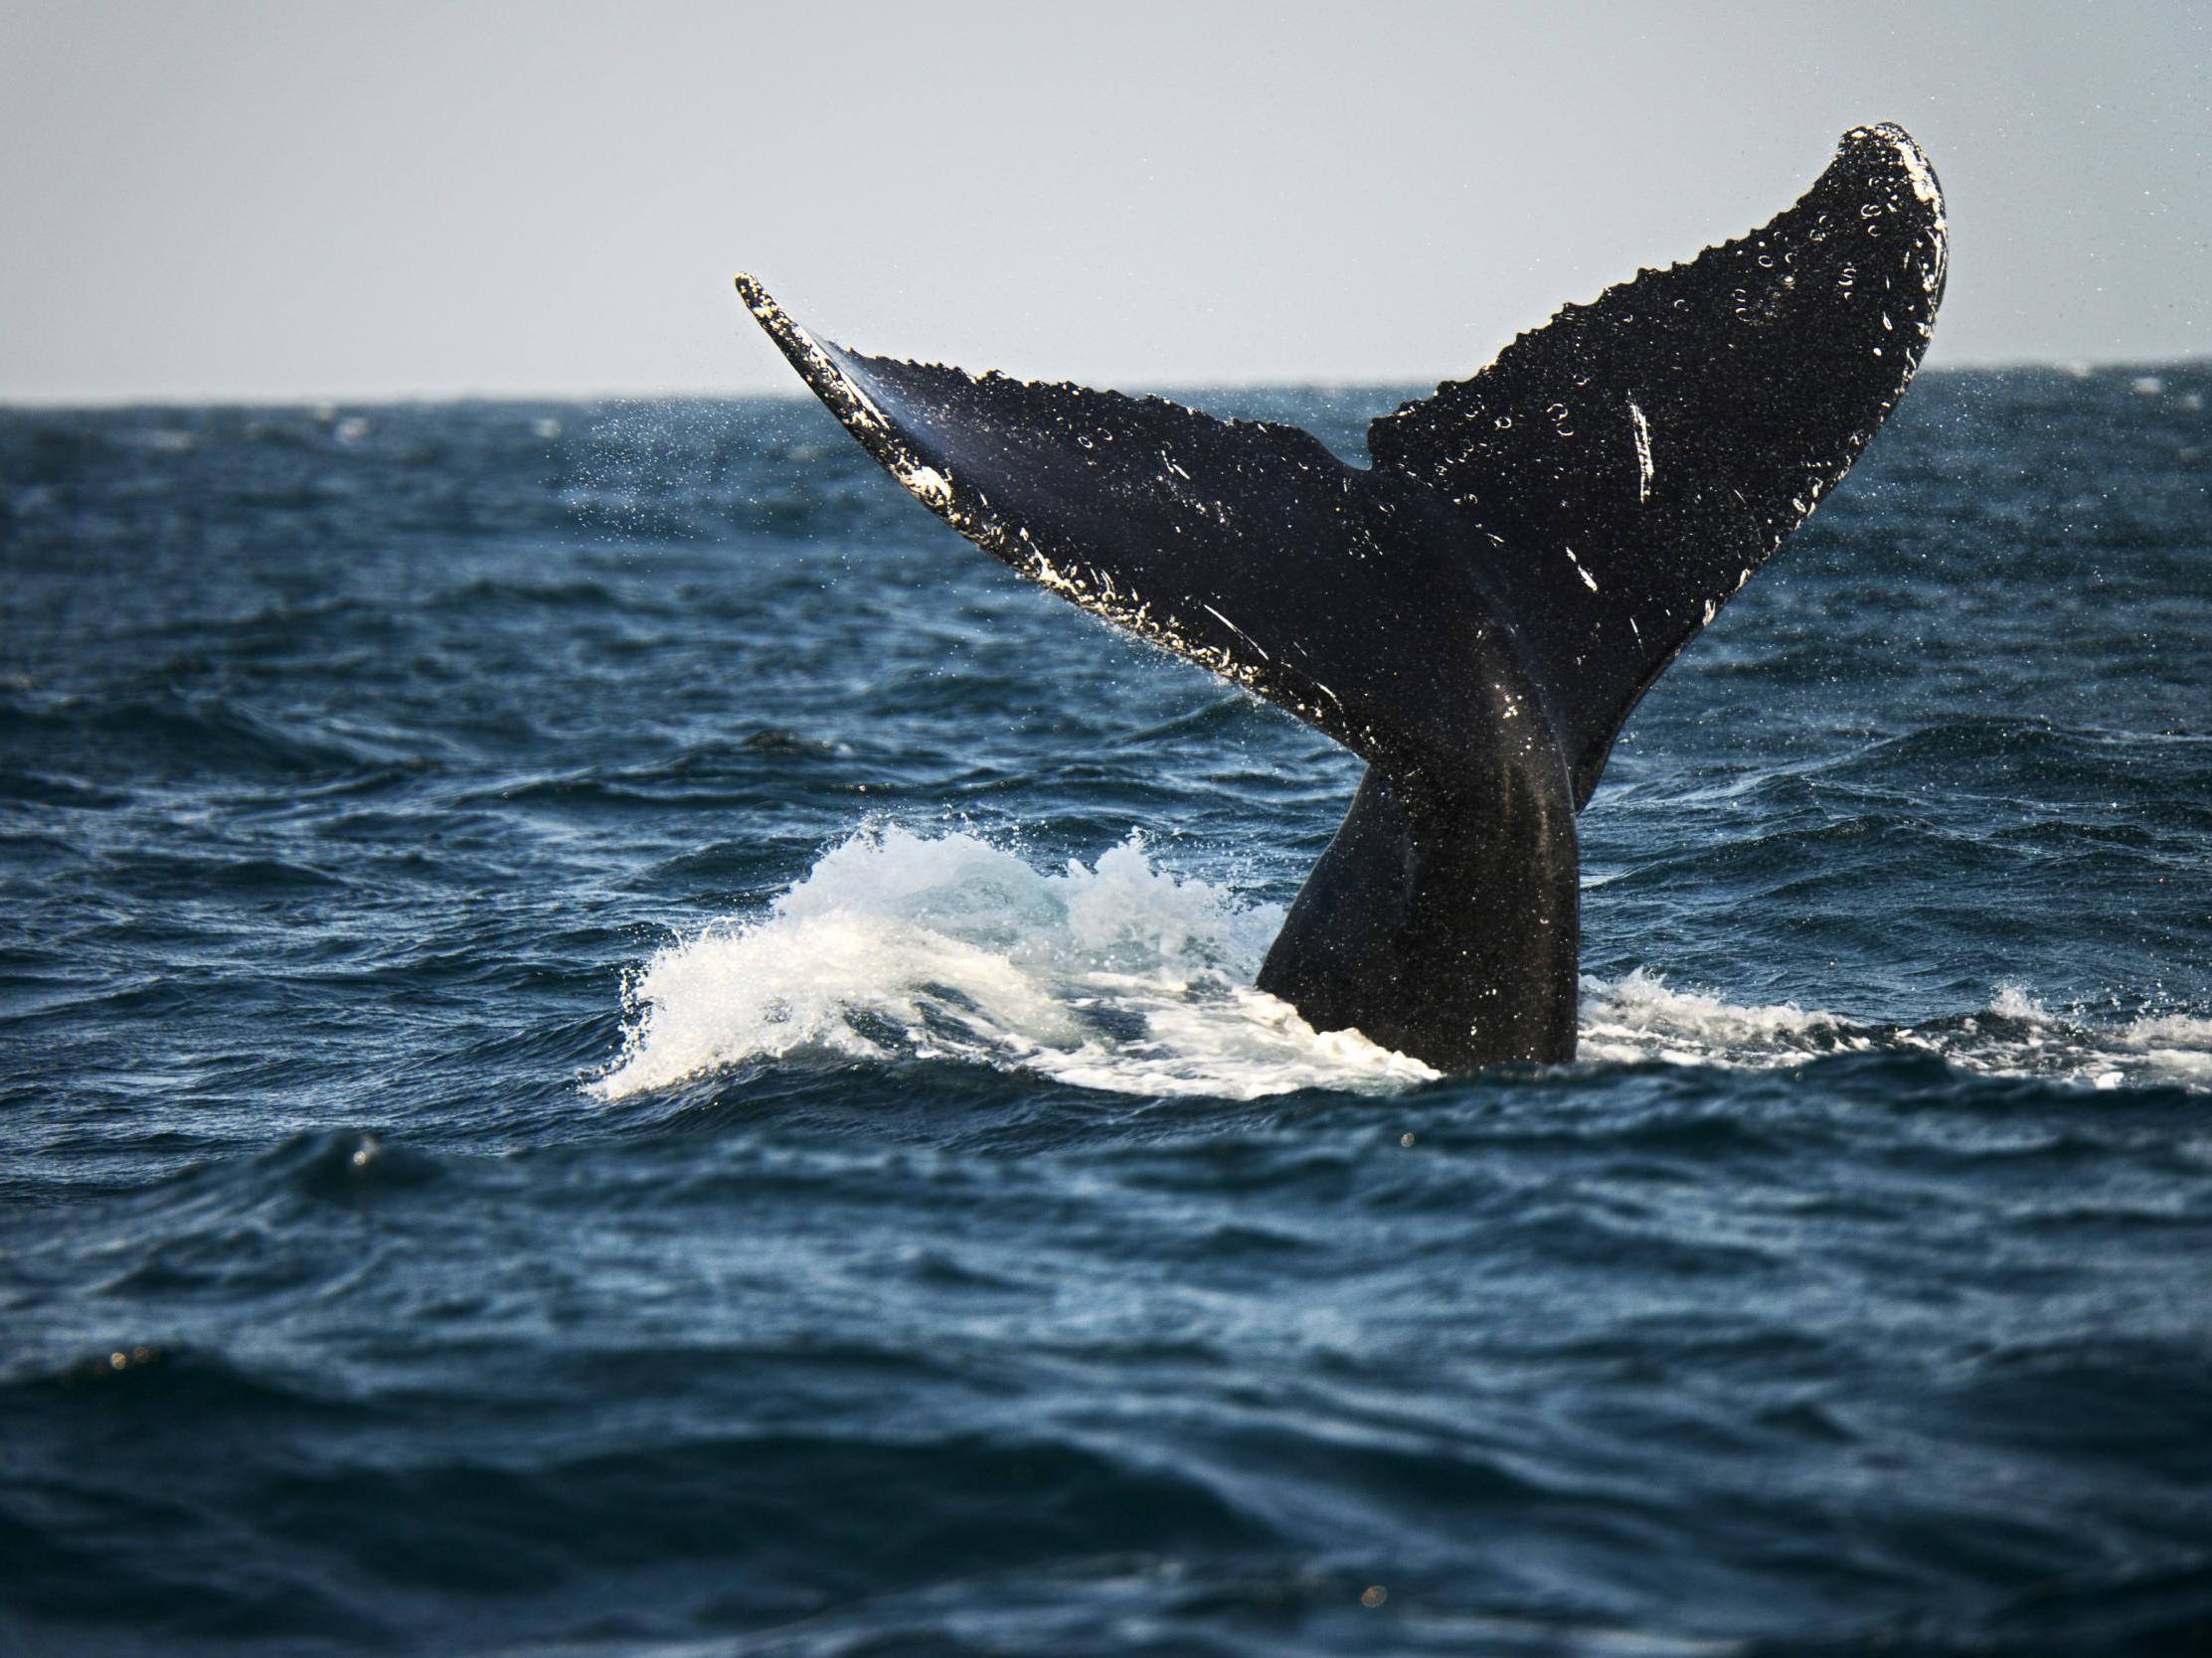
(1641,1018)
(1117,975)
(1127,977)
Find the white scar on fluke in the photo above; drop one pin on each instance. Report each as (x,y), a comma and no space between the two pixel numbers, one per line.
(1643,430)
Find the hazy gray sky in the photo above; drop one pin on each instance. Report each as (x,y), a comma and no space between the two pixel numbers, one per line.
(301,200)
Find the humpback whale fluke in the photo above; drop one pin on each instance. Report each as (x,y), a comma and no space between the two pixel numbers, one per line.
(1474,614)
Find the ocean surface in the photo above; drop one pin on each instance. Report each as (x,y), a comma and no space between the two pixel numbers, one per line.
(611,1041)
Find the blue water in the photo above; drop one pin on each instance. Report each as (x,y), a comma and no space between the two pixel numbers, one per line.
(611,1041)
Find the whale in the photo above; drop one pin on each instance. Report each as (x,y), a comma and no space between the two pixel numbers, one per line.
(1476,613)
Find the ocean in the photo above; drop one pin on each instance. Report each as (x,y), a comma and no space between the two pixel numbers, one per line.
(611,1041)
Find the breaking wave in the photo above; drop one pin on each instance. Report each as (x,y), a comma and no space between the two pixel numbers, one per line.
(1127,977)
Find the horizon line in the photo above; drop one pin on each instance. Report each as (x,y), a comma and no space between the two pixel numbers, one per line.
(2073,366)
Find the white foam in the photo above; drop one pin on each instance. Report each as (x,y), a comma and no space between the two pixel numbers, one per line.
(2011,1001)
(1120,976)
(1641,1018)
(2175,1047)
(1125,976)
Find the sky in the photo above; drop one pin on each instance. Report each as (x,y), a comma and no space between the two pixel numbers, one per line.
(348,201)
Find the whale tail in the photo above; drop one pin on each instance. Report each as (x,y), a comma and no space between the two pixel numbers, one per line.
(1477,611)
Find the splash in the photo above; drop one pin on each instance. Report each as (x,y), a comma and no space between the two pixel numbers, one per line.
(1120,976)
(1127,977)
